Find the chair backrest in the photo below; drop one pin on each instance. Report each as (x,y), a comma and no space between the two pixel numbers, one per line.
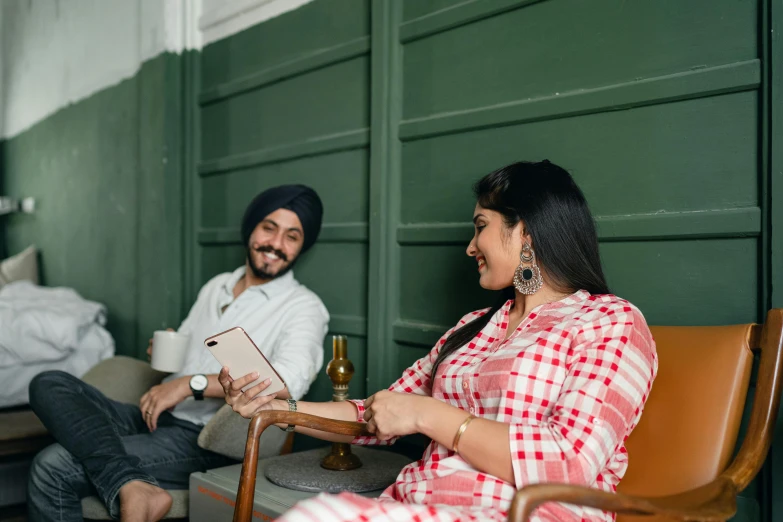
(690,424)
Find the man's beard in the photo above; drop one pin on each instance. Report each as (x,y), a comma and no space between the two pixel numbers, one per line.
(260,272)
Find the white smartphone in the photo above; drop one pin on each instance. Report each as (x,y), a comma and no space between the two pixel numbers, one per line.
(235,349)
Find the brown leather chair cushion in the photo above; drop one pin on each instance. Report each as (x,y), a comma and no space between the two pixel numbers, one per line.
(690,423)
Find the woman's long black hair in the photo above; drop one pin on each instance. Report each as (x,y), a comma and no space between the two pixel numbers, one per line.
(555,214)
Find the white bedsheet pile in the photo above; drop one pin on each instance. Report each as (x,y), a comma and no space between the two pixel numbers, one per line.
(45,328)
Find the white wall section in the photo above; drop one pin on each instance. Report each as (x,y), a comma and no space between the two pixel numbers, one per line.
(222,18)
(2,72)
(180,19)
(54,53)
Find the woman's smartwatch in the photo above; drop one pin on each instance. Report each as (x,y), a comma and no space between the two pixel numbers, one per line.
(198,383)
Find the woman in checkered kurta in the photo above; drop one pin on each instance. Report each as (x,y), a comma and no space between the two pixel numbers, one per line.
(555,390)
(569,382)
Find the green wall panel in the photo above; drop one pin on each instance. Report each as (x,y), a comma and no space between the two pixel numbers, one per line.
(307,30)
(416,8)
(701,282)
(412,352)
(161,198)
(288,111)
(552,47)
(439,284)
(691,155)
(342,176)
(216,259)
(338,273)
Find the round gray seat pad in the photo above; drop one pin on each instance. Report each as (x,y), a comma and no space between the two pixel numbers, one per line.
(302,471)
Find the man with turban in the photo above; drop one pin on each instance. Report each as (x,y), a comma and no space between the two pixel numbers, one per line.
(127,453)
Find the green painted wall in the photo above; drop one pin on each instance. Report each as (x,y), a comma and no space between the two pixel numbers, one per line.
(658,109)
(106,175)
(667,115)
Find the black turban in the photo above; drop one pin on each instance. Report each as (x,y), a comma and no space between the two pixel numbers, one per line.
(299,199)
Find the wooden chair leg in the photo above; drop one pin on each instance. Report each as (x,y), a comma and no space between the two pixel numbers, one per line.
(288,445)
(243,510)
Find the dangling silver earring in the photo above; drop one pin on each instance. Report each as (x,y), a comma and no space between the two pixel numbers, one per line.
(527,276)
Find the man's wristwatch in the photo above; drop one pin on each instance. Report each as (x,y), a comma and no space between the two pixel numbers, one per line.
(291,407)
(198,383)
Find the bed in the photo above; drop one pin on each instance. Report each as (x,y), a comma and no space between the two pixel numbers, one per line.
(44,329)
(95,346)
(40,329)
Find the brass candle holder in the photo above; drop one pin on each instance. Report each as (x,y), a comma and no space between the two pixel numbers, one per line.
(340,371)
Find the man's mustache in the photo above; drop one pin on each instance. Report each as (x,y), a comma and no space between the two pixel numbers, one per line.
(272,250)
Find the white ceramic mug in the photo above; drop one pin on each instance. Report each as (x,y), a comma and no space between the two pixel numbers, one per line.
(168,351)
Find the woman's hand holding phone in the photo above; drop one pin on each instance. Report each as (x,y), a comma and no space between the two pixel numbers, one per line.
(251,401)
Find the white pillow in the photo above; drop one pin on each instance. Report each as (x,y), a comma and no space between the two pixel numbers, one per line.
(23,265)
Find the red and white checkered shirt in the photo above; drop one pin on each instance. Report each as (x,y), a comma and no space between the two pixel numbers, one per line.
(570,382)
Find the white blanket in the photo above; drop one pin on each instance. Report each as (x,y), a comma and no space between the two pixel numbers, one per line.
(40,324)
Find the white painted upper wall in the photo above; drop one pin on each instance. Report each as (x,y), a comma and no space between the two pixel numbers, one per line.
(54,53)
(2,71)
(222,18)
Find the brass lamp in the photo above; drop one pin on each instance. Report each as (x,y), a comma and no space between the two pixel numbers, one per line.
(340,371)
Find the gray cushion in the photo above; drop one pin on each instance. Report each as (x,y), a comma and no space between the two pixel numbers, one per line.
(123,379)
(226,433)
(93,508)
(22,266)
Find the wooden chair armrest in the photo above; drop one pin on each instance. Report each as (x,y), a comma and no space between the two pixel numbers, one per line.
(261,421)
(267,418)
(715,501)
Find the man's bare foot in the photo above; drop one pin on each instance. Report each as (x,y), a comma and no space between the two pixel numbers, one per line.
(142,502)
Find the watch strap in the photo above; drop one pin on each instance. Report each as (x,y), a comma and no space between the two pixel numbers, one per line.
(291,407)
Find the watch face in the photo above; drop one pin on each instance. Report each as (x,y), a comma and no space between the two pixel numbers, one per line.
(198,382)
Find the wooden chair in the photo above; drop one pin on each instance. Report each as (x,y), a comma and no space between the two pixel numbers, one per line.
(680,465)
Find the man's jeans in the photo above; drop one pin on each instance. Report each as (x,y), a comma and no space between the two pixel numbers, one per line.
(103,444)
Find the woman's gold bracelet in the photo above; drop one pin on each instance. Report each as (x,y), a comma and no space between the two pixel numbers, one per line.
(460,431)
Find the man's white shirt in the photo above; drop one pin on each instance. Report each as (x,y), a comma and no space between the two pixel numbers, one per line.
(286,321)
